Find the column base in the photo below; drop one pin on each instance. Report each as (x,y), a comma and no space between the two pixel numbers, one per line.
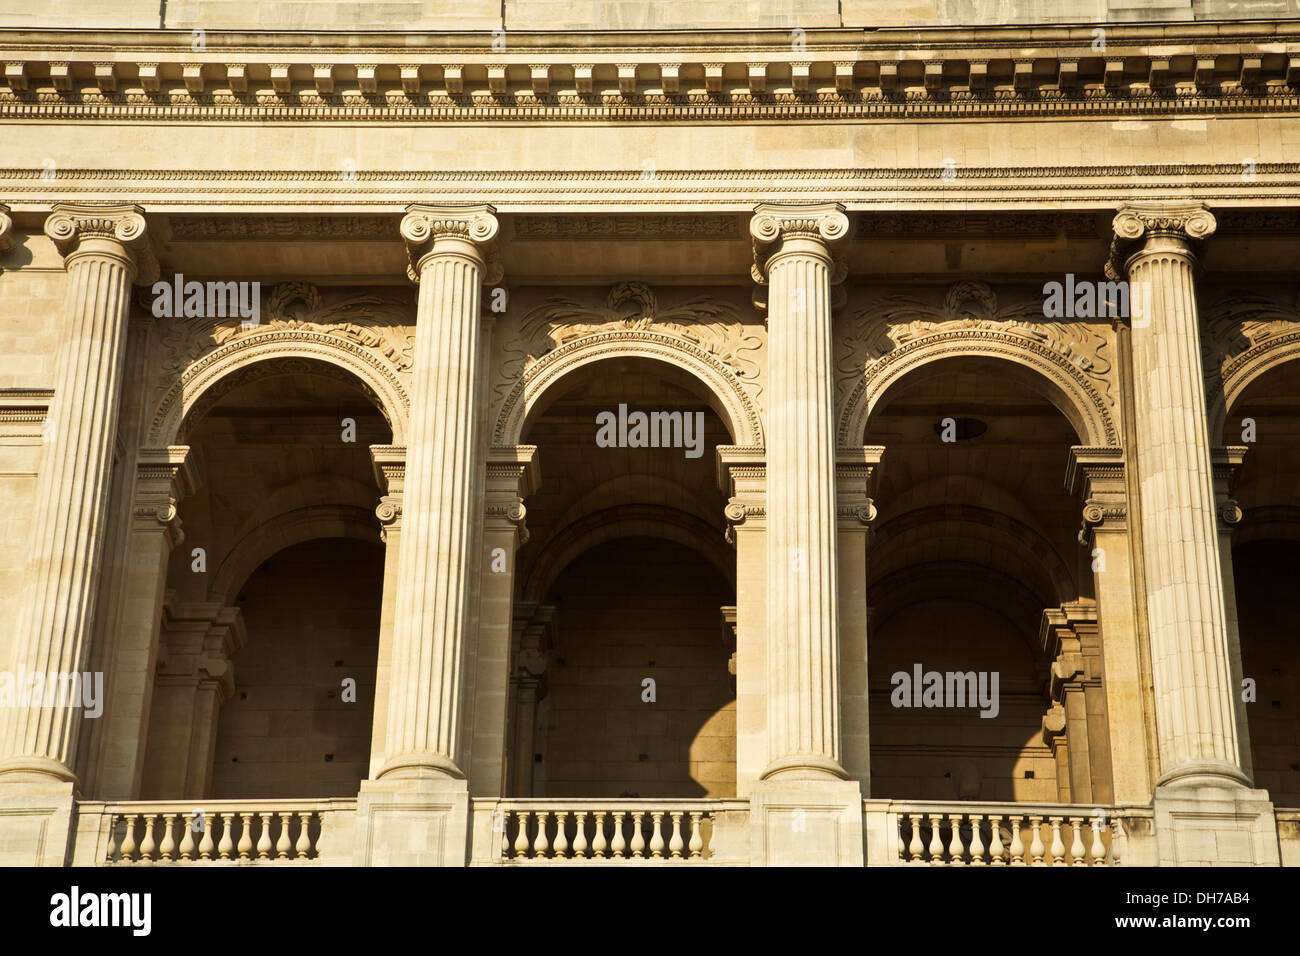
(37,816)
(804,767)
(420,766)
(805,822)
(1219,825)
(420,821)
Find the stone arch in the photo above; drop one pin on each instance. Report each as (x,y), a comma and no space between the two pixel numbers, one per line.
(1051,375)
(284,531)
(1242,371)
(723,387)
(633,521)
(278,352)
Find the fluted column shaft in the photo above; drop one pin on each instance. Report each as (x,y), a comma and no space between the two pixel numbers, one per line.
(103,247)
(802,575)
(435,586)
(1196,728)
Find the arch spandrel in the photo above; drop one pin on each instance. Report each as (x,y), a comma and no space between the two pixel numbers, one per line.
(1067,363)
(1246,335)
(704,338)
(365,336)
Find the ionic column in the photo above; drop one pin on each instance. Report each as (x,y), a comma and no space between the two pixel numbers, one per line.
(1228,513)
(1195,720)
(792,252)
(435,586)
(104,251)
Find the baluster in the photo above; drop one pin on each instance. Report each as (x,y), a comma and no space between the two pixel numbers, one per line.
(976,842)
(227,844)
(148,846)
(167,848)
(995,842)
(936,843)
(245,834)
(598,843)
(1098,848)
(618,845)
(956,852)
(128,839)
(1036,845)
(1076,845)
(1058,848)
(916,847)
(284,844)
(580,836)
(656,835)
(696,846)
(638,837)
(187,841)
(205,844)
(303,847)
(675,844)
(561,839)
(264,843)
(521,838)
(112,837)
(1017,847)
(540,844)
(505,834)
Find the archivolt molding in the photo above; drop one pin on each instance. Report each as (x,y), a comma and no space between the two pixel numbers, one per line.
(628,521)
(884,342)
(705,337)
(367,335)
(1245,335)
(284,531)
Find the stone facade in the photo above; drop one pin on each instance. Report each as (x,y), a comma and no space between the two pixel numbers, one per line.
(714,434)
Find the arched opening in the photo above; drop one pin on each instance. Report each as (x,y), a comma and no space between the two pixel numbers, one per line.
(272,600)
(623,593)
(975,583)
(1265,555)
(299,722)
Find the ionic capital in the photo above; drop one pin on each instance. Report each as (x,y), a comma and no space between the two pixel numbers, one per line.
(6,230)
(1148,226)
(467,230)
(120,230)
(778,227)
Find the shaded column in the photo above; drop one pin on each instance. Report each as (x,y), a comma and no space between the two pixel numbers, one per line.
(512,475)
(742,476)
(856,470)
(104,251)
(390,474)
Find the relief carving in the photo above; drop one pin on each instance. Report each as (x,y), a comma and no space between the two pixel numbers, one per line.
(1237,323)
(897,320)
(712,325)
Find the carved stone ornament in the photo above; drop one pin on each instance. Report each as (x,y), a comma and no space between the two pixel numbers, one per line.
(1137,223)
(711,328)
(423,226)
(870,338)
(774,225)
(70,224)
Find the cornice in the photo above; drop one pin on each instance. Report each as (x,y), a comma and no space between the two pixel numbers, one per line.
(1149,69)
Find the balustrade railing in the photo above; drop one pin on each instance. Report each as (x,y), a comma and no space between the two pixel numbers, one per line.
(536,831)
(219,831)
(1006,835)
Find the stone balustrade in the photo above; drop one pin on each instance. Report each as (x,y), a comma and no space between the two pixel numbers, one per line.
(599,831)
(1013,834)
(218,831)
